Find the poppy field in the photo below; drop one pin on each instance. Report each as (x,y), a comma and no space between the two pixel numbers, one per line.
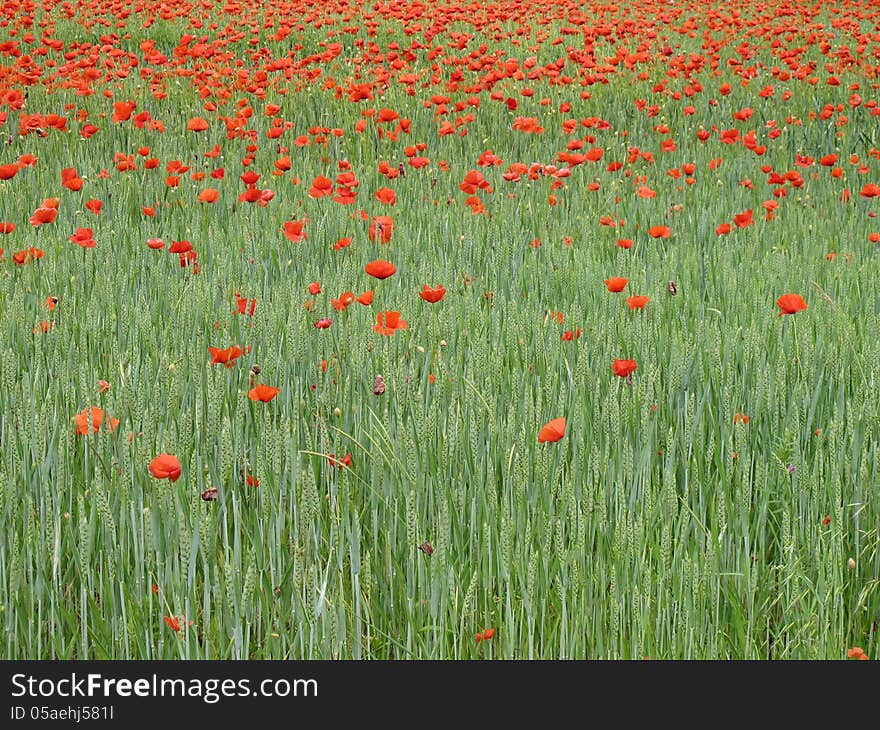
(439,329)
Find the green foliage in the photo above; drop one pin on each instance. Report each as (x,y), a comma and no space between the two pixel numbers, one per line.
(658,526)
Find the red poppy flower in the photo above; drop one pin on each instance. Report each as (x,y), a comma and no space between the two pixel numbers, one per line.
(381,227)
(263,393)
(366,298)
(89,420)
(341,304)
(155,243)
(616,283)
(791,304)
(180,247)
(43,215)
(187,259)
(314,288)
(339,463)
(321,186)
(27,255)
(386,195)
(552,431)
(380,269)
(637,302)
(262,199)
(485,635)
(122,110)
(251,195)
(165,466)
(70,180)
(243,305)
(293,231)
(659,231)
(196,124)
(743,219)
(432,295)
(624,368)
(387,323)
(83,237)
(324,323)
(225,357)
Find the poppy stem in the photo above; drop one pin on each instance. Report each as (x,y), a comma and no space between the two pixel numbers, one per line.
(702,282)
(98,457)
(797,353)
